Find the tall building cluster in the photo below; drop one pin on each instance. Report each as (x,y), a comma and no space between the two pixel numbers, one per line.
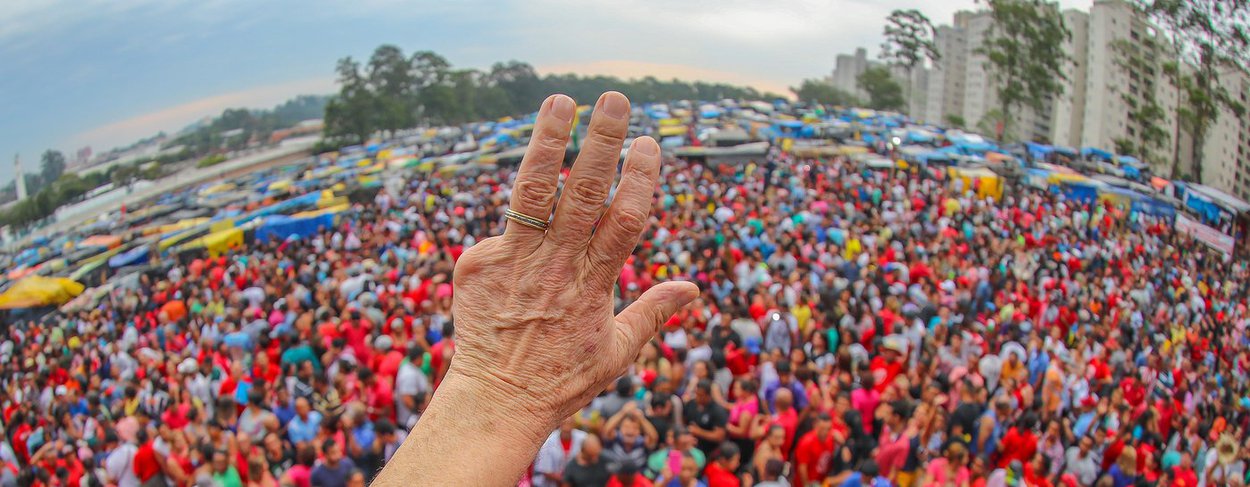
(1114,55)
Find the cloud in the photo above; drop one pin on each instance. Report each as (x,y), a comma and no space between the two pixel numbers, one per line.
(173,118)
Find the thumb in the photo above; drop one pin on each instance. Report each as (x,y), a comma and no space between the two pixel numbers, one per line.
(641,320)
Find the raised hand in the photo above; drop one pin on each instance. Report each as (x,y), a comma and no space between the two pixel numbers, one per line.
(535,330)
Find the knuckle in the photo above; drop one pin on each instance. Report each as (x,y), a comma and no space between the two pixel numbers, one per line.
(631,221)
(589,192)
(608,131)
(534,194)
(549,140)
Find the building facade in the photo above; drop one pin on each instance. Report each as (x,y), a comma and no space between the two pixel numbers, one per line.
(1226,150)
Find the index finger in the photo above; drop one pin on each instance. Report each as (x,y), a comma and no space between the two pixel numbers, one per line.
(534,191)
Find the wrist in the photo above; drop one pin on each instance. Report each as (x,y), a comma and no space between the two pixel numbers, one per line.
(500,407)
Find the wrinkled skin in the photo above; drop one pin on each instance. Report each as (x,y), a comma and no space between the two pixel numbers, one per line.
(534,312)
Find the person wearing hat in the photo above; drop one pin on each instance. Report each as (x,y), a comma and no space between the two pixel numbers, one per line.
(1225,466)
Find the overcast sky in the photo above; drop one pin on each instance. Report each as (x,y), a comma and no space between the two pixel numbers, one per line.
(107,72)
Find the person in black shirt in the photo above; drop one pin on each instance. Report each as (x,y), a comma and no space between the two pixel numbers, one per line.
(589,469)
(705,418)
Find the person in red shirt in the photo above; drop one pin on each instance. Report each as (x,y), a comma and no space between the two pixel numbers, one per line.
(1019,443)
(811,456)
(720,473)
(1183,475)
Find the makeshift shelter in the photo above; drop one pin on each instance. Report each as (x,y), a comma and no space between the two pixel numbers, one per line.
(137,255)
(39,291)
(106,241)
(281,227)
(984,182)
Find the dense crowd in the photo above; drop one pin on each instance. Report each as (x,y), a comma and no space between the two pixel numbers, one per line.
(856,327)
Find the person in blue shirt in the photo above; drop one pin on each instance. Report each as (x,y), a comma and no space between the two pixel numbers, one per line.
(303,427)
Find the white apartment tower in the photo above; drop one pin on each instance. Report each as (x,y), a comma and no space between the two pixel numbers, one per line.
(1226,152)
(1069,109)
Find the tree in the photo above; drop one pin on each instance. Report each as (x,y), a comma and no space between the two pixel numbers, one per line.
(908,42)
(52,165)
(956,121)
(1145,113)
(1025,50)
(1211,36)
(811,90)
(884,93)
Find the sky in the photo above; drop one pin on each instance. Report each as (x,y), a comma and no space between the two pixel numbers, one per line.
(104,73)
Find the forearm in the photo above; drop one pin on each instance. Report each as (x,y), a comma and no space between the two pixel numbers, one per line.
(467,436)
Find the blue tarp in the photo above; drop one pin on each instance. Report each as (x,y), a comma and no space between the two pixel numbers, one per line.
(1096,152)
(1038,151)
(1079,192)
(281,227)
(710,114)
(917,137)
(137,255)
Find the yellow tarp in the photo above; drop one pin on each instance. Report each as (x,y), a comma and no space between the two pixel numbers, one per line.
(986,182)
(220,188)
(35,291)
(181,225)
(1060,178)
(384,154)
(851,150)
(669,122)
(282,185)
(331,210)
(218,243)
(671,130)
(333,201)
(221,225)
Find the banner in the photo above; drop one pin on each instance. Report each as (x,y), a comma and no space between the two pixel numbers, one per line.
(1206,234)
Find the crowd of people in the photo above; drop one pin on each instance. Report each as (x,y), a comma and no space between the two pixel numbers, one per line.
(856,327)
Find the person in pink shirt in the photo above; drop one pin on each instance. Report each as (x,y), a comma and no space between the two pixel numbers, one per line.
(949,469)
(865,399)
(895,439)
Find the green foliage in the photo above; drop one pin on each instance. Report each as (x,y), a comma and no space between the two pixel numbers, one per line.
(52,165)
(908,41)
(1124,146)
(211,160)
(236,128)
(884,93)
(956,121)
(393,92)
(1211,36)
(812,90)
(68,188)
(1025,49)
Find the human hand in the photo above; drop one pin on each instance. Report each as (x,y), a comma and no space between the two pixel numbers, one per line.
(534,309)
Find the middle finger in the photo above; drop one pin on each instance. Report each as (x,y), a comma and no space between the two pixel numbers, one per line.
(590,180)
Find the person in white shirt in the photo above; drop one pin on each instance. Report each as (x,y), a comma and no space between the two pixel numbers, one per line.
(120,463)
(411,386)
(560,448)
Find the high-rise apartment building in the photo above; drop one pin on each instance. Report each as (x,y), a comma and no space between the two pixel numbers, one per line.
(1226,150)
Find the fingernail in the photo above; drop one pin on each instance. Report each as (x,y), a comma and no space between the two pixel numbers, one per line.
(562,107)
(614,105)
(645,146)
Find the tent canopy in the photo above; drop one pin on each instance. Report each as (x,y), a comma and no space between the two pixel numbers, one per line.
(37,291)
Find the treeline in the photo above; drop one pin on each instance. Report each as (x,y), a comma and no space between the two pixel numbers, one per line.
(237,128)
(394,91)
